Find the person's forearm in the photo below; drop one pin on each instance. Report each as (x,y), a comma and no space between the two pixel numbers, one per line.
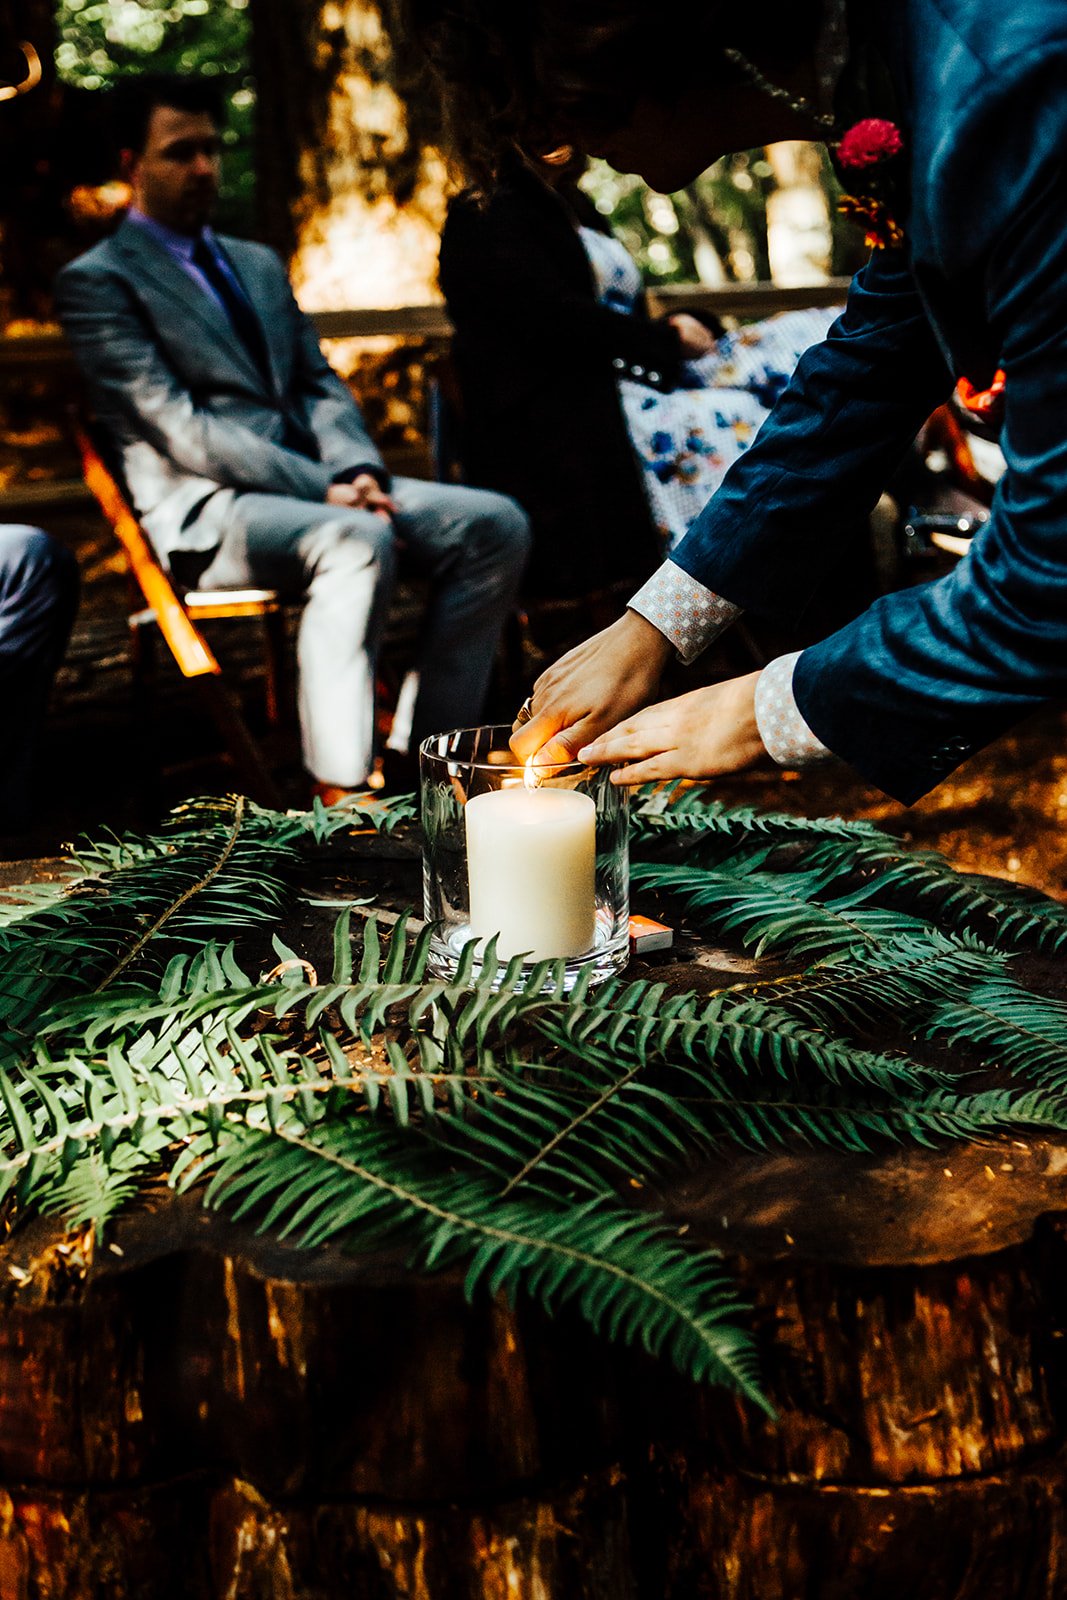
(824,455)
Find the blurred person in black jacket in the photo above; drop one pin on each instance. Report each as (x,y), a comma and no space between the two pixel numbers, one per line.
(611,428)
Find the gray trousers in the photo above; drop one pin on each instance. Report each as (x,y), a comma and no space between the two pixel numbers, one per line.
(470,544)
(38,598)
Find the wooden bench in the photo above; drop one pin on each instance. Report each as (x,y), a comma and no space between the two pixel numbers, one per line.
(157,603)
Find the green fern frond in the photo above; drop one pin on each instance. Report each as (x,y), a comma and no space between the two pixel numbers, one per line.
(712,834)
(497,1124)
(568,1128)
(1008,1026)
(28,899)
(625,1274)
(69,1114)
(683,810)
(95,1188)
(214,878)
(955,902)
(931,1121)
(778,912)
(58,939)
(449,1017)
(729,1030)
(893,984)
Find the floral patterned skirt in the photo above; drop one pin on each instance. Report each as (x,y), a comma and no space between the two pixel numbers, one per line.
(686,439)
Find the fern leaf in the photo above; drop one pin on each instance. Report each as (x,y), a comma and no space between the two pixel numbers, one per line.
(1008,1026)
(775,912)
(714,835)
(357,1182)
(680,810)
(896,982)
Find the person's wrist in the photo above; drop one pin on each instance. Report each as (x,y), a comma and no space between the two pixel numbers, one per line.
(749,741)
(647,637)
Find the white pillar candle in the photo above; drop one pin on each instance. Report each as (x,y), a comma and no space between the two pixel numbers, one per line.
(531,859)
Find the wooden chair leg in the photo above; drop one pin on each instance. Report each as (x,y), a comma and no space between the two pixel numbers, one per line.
(142,662)
(255,775)
(275,664)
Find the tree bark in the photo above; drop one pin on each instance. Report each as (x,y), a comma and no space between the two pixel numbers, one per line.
(350,193)
(292,92)
(798,219)
(343,162)
(202,1411)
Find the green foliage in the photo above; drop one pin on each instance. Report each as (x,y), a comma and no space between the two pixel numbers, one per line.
(626,1275)
(846,867)
(720,219)
(217,868)
(716,227)
(510,1128)
(1008,1027)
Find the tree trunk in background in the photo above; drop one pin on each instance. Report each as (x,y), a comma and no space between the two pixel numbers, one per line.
(30,214)
(347,185)
(351,192)
(711,240)
(798,218)
(293,87)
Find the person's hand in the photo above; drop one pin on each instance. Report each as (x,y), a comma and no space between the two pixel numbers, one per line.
(364,493)
(699,735)
(694,338)
(587,690)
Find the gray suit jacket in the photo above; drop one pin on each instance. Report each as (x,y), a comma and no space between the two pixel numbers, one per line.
(191,418)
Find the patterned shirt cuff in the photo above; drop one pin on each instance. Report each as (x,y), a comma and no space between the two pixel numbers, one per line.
(788,738)
(686,613)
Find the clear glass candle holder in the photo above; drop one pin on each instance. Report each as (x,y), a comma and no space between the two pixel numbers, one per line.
(536,857)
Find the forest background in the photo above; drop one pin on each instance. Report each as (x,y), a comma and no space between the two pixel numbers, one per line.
(323,141)
(330,158)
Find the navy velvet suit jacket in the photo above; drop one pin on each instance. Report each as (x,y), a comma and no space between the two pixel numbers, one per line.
(929,675)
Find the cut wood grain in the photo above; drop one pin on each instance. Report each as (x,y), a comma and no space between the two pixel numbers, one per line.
(192,1398)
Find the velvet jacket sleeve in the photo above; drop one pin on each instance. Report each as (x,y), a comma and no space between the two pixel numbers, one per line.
(929,675)
(822,458)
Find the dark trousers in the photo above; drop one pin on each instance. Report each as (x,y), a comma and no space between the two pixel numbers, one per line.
(38,599)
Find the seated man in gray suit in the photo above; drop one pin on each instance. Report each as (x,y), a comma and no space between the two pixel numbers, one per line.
(247,458)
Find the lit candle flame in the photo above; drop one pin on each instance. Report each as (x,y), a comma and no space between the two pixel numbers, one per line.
(529,775)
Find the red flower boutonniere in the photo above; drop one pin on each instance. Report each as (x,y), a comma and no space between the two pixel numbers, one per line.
(870,147)
(868,142)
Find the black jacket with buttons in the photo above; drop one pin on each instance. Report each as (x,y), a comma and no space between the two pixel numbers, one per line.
(538,360)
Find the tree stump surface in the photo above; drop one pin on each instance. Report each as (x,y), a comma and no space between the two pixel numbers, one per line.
(191,1410)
